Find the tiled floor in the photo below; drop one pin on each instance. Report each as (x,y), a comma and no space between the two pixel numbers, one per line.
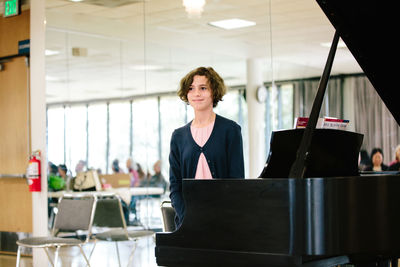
(104,255)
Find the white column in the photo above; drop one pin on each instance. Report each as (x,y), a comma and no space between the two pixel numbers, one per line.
(38,121)
(255,111)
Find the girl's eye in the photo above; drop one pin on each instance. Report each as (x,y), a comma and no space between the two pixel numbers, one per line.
(190,88)
(203,88)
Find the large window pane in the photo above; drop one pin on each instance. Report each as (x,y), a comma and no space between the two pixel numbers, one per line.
(172,111)
(97,131)
(55,135)
(229,107)
(145,132)
(287,106)
(278,111)
(119,133)
(75,136)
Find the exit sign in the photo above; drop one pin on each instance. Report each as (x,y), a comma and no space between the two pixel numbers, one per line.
(11,8)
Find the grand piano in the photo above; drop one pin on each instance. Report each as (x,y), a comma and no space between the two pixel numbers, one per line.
(310,206)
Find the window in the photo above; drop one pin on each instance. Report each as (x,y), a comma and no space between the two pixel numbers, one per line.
(119,135)
(145,132)
(55,135)
(278,110)
(75,136)
(97,137)
(172,111)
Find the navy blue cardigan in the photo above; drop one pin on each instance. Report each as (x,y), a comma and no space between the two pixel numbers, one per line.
(223,151)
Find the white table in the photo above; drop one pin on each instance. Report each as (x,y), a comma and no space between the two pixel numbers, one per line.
(125,193)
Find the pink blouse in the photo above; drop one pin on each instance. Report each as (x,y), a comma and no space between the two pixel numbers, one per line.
(201,135)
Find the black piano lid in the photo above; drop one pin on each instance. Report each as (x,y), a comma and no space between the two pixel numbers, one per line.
(369,30)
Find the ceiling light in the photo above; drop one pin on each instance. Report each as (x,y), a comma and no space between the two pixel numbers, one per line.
(194,8)
(49,52)
(76,0)
(146,67)
(229,24)
(52,78)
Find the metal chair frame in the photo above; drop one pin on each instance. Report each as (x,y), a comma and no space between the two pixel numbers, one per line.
(121,232)
(52,241)
(168,216)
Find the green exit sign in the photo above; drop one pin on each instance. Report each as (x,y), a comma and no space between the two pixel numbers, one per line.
(11,8)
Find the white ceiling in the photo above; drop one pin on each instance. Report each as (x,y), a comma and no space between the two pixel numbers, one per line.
(117,40)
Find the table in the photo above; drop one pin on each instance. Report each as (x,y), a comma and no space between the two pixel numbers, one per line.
(125,193)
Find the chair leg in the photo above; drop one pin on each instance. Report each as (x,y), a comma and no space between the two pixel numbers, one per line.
(132,252)
(94,246)
(48,256)
(119,261)
(18,256)
(83,254)
(56,256)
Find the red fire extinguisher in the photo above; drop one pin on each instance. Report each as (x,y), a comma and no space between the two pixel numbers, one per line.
(33,172)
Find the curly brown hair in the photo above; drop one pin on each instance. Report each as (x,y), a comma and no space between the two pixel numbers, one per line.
(215,81)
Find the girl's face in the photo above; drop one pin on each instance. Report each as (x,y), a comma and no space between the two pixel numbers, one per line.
(377,159)
(200,94)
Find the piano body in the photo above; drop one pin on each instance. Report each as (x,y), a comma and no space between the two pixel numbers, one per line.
(310,206)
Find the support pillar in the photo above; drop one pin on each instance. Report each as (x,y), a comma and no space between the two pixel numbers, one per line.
(38,121)
(256,121)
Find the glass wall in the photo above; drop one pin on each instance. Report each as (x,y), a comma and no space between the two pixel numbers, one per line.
(278,110)
(100,133)
(97,137)
(55,135)
(119,134)
(75,135)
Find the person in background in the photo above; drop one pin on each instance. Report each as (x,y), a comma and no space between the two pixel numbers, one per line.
(115,166)
(142,175)
(395,165)
(52,168)
(63,172)
(54,181)
(208,147)
(80,166)
(377,161)
(157,179)
(363,160)
(134,174)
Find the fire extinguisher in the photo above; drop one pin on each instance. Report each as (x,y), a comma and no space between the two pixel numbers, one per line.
(33,172)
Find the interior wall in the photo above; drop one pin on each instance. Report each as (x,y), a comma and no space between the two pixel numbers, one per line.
(15,198)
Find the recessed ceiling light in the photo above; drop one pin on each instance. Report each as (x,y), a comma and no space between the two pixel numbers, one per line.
(52,78)
(146,67)
(76,0)
(229,24)
(49,52)
(341,44)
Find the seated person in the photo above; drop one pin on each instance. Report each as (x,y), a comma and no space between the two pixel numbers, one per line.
(377,161)
(63,172)
(364,160)
(157,180)
(55,181)
(134,174)
(395,165)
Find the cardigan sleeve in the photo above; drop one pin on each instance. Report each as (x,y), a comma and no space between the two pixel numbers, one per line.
(175,180)
(235,154)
